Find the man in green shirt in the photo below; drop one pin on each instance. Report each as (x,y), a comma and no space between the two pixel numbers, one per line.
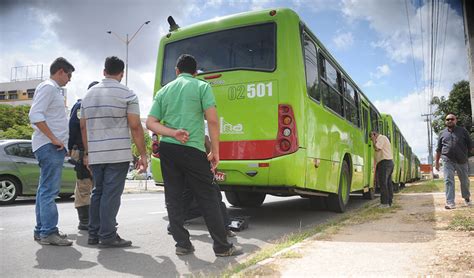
(177,115)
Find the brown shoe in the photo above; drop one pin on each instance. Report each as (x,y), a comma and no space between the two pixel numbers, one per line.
(233,251)
(55,239)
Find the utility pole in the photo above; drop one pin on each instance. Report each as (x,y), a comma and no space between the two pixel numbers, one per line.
(430,140)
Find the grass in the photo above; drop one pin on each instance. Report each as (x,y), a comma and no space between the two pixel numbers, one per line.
(367,213)
(429,186)
(462,222)
(425,186)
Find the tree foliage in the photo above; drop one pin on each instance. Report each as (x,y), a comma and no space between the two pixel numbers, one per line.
(458,103)
(135,152)
(15,123)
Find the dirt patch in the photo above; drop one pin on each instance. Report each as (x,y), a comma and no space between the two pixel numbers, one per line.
(417,238)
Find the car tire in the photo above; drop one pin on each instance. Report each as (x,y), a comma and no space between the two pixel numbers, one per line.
(337,202)
(9,189)
(65,196)
(245,199)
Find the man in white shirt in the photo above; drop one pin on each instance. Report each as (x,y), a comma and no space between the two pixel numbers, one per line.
(384,160)
(48,118)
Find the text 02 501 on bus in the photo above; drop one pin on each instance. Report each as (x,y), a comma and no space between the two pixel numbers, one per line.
(292,121)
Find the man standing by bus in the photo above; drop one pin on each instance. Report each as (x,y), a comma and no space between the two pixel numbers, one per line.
(384,168)
(49,120)
(454,144)
(178,115)
(110,113)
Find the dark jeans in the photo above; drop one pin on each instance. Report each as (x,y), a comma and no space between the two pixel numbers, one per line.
(192,210)
(188,168)
(109,181)
(384,180)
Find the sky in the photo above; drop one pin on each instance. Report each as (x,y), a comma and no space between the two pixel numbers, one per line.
(382,44)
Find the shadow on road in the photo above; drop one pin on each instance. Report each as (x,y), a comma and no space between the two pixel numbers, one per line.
(143,265)
(60,258)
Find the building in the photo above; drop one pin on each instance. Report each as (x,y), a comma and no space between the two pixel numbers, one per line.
(18,92)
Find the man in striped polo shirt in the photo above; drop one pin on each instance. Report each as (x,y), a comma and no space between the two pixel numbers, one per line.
(109,110)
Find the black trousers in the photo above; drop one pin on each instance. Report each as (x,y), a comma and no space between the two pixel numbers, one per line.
(384,180)
(188,168)
(192,210)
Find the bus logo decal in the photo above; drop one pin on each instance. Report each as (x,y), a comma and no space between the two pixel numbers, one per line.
(228,128)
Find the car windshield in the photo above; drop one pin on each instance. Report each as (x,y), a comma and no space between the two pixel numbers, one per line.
(250,48)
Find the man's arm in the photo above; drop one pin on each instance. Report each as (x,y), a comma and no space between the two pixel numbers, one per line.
(44,128)
(136,130)
(438,151)
(85,158)
(213,126)
(155,126)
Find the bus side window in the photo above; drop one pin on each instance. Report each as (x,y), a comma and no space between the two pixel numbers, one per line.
(311,65)
(332,97)
(350,103)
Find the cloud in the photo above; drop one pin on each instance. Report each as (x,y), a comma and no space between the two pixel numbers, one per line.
(369,83)
(389,20)
(343,40)
(381,71)
(406,113)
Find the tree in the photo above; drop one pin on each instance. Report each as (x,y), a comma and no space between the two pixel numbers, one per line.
(135,152)
(458,102)
(15,123)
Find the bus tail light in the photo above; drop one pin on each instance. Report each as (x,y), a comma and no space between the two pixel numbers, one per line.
(287,140)
(155,146)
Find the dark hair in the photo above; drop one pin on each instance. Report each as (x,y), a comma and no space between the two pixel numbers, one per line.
(186,63)
(113,65)
(93,83)
(60,63)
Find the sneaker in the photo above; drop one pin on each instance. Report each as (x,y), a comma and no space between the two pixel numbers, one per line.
(180,251)
(450,206)
(55,239)
(37,237)
(233,251)
(117,242)
(468,202)
(230,233)
(383,206)
(92,241)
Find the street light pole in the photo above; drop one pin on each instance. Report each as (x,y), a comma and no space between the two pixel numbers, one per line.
(127,42)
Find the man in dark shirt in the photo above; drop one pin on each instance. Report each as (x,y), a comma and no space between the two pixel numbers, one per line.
(454,145)
(82,191)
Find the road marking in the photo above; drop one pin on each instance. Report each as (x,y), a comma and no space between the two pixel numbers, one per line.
(139,199)
(1,229)
(158,212)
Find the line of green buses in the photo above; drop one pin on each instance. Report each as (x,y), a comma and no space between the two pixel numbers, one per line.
(292,121)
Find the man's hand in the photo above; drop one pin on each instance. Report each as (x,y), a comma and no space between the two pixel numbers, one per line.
(181,135)
(214,159)
(437,165)
(142,164)
(58,143)
(85,161)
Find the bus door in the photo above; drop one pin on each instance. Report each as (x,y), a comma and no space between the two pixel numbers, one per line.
(368,151)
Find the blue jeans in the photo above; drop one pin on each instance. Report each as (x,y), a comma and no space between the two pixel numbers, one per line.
(109,181)
(51,167)
(462,170)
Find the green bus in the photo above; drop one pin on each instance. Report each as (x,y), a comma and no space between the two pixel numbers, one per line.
(292,121)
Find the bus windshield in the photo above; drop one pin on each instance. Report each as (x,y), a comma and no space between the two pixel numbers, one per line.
(250,48)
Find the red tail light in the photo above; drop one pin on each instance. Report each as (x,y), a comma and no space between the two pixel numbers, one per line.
(287,140)
(155,146)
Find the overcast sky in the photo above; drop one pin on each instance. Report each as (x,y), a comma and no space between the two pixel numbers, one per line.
(369,38)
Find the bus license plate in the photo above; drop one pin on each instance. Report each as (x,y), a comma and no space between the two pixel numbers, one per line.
(219,176)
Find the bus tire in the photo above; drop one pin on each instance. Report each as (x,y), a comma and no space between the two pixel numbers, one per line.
(338,202)
(245,199)
(369,195)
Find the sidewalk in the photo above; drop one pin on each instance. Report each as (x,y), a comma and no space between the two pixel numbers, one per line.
(141,186)
(414,238)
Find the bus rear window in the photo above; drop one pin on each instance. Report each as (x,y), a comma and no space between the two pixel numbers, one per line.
(250,48)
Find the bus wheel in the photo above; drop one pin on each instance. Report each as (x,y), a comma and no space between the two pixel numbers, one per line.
(337,202)
(245,199)
(369,195)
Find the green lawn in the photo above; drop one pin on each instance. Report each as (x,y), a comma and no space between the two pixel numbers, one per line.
(431,186)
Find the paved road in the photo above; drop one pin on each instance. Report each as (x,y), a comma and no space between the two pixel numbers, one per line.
(142,219)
